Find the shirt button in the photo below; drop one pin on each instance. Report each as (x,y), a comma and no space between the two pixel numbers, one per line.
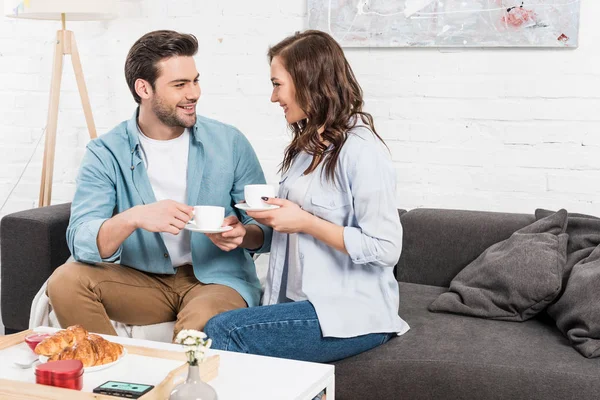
(301,256)
(166,255)
(132,167)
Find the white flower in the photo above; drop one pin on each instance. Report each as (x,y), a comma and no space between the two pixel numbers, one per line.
(195,344)
(182,335)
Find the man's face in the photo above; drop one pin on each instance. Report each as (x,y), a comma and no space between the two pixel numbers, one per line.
(176,92)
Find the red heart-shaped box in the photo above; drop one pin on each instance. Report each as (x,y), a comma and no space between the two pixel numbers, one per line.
(65,373)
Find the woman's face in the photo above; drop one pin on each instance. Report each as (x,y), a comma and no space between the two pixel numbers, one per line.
(284,92)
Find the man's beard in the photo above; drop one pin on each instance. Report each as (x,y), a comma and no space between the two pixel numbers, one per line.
(169,116)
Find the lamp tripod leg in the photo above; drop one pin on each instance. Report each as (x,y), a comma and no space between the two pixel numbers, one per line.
(83,93)
(51,126)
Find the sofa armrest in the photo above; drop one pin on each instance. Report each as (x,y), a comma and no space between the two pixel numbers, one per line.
(33,244)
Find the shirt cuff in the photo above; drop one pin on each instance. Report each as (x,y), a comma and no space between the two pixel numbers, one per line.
(86,244)
(267,236)
(354,247)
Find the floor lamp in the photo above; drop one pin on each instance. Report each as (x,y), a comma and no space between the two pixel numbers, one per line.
(63,10)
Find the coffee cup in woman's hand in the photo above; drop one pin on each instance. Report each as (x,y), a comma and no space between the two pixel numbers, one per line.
(253,194)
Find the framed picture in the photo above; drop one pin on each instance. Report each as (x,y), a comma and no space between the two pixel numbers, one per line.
(448,23)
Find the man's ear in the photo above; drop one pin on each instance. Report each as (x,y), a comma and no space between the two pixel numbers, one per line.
(143,89)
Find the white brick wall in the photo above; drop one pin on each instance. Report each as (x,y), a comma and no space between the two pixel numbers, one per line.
(493,129)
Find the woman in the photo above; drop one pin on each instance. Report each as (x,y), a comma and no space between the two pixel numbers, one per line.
(330,290)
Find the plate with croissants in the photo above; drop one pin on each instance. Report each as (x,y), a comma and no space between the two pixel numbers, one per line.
(76,343)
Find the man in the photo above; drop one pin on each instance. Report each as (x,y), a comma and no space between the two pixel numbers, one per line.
(136,189)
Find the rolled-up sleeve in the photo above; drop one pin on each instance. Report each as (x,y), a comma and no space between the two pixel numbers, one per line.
(376,236)
(94,202)
(249,172)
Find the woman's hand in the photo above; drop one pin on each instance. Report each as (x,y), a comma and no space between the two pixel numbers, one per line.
(288,218)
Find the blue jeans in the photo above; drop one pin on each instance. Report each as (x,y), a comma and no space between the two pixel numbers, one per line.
(287,330)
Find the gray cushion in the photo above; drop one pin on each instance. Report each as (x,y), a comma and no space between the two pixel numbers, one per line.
(583,230)
(577,312)
(584,236)
(515,279)
(448,356)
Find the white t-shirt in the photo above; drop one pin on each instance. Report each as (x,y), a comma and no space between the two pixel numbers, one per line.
(292,274)
(166,164)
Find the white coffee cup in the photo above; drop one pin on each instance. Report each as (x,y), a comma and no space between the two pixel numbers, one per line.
(253,194)
(208,217)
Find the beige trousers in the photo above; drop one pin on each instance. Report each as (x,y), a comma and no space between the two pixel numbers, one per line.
(94,295)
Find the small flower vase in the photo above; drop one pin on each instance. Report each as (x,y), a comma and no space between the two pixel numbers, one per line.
(194,388)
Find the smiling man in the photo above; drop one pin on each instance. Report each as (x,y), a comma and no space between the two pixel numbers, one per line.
(136,188)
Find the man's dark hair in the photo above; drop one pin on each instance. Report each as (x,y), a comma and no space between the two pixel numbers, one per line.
(150,49)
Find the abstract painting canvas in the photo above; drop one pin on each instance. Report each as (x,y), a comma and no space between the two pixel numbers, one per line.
(448,23)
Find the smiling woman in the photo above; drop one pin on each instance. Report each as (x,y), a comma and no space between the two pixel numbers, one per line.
(330,291)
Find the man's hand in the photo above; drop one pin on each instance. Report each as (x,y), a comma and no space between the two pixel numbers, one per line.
(232,239)
(163,216)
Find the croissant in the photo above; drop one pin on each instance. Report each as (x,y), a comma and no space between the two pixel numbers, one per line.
(61,339)
(106,352)
(82,351)
(93,350)
(79,331)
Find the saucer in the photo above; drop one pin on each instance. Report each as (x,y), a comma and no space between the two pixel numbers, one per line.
(246,207)
(194,228)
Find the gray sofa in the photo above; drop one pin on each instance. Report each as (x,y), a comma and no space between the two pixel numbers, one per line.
(443,356)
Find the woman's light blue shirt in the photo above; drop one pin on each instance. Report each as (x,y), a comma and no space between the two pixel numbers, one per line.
(353,294)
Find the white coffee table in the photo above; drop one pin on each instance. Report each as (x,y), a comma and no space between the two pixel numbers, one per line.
(241,376)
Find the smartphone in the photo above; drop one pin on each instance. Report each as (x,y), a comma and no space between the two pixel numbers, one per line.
(123,389)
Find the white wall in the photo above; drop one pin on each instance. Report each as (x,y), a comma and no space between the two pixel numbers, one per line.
(506,130)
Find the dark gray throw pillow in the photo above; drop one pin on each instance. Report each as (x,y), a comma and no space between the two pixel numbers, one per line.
(512,280)
(577,312)
(584,236)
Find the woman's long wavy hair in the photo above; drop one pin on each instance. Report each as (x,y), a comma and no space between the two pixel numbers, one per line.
(327,92)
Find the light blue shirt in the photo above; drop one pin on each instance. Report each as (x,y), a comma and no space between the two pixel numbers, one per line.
(112,178)
(353,294)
